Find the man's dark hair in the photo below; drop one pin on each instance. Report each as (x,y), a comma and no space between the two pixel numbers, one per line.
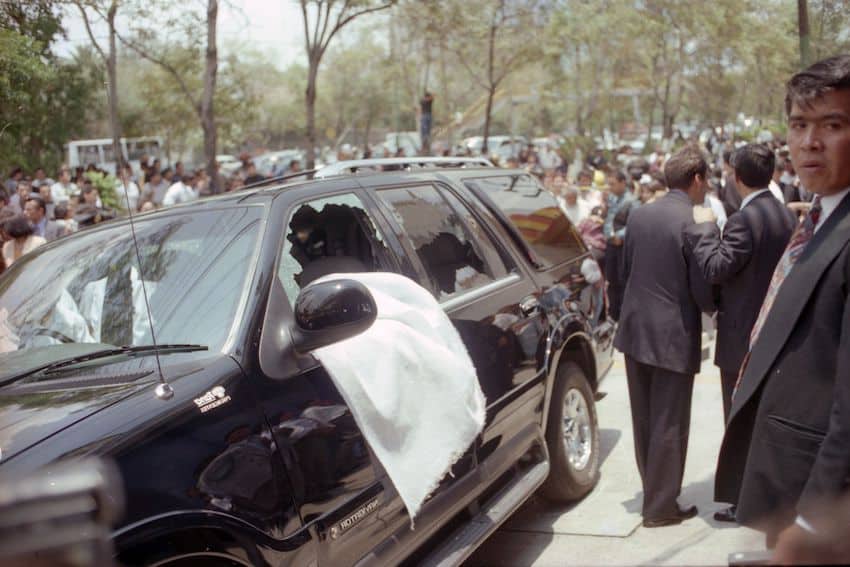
(17,227)
(832,74)
(38,201)
(619,174)
(683,166)
(88,188)
(60,211)
(754,165)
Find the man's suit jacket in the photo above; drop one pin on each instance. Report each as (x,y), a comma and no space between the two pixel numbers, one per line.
(742,264)
(660,322)
(791,413)
(53,230)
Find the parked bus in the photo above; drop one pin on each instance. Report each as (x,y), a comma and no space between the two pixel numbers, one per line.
(100,152)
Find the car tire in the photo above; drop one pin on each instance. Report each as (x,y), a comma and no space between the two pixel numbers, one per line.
(572,437)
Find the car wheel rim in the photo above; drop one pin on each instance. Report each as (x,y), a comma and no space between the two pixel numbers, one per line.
(577,431)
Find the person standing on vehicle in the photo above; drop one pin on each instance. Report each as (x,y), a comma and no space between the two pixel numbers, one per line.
(620,203)
(660,332)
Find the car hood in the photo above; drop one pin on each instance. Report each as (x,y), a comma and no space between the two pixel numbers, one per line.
(37,407)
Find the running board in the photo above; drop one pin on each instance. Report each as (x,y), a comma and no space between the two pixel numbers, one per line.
(463,542)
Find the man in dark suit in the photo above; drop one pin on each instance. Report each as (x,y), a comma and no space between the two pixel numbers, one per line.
(621,201)
(660,332)
(742,260)
(36,212)
(791,410)
(741,263)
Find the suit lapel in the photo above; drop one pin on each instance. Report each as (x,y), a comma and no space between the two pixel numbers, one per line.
(792,298)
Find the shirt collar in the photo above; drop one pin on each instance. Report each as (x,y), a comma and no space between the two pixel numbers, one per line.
(748,199)
(829,204)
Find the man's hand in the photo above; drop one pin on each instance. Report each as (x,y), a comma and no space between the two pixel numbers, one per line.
(796,546)
(704,214)
(616,241)
(799,206)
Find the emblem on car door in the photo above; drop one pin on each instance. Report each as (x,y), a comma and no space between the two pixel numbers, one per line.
(212,399)
(352,520)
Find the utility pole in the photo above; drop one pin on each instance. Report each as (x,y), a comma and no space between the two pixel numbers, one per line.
(803,26)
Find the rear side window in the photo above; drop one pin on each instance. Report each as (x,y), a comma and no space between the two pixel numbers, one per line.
(451,257)
(535,214)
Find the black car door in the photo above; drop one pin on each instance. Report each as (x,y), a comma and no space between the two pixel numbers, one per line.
(343,496)
(490,300)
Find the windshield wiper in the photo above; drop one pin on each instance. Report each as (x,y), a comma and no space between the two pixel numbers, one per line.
(105,353)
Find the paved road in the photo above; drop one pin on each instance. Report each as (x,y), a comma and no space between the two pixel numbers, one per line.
(604,528)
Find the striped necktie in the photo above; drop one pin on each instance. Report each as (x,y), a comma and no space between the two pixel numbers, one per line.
(799,240)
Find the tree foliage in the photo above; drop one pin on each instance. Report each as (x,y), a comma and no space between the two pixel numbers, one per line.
(44,100)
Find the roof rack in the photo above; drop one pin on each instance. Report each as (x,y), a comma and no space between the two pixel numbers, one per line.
(279,178)
(401,163)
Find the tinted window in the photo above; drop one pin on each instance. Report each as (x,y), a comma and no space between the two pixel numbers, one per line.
(499,261)
(535,214)
(452,260)
(330,235)
(88,287)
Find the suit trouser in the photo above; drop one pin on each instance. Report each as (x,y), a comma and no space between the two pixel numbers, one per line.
(727,386)
(614,275)
(661,418)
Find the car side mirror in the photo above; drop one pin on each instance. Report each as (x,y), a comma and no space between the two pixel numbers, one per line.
(328,312)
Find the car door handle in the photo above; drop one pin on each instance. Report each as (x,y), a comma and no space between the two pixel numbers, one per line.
(529,306)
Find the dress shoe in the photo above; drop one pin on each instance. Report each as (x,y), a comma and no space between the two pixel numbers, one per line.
(683,515)
(727,515)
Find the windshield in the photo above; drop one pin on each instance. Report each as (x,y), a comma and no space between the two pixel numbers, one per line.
(88,289)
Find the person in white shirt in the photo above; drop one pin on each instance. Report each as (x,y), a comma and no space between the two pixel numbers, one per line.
(181,192)
(571,204)
(62,190)
(127,189)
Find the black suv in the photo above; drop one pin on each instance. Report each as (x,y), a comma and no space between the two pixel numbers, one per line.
(184,357)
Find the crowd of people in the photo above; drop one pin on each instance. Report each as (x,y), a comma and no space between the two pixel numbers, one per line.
(776,275)
(35,208)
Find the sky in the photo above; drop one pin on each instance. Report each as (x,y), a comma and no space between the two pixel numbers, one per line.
(272,27)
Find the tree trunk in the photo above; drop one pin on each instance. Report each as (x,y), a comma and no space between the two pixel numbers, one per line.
(490,94)
(112,88)
(579,96)
(491,55)
(648,146)
(207,110)
(310,101)
(447,100)
(367,130)
(665,110)
(803,28)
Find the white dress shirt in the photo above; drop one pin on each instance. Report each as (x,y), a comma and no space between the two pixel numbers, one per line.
(717,208)
(829,204)
(179,193)
(776,191)
(748,199)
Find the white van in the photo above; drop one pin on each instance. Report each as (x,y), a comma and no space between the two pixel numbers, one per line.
(99,152)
